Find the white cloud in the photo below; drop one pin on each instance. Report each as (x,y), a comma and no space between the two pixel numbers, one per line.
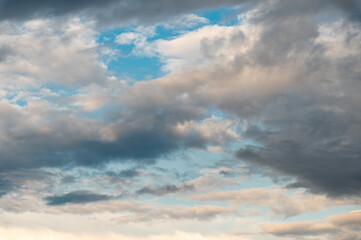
(218,130)
(50,51)
(185,22)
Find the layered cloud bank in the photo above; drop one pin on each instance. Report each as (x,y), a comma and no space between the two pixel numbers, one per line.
(343,226)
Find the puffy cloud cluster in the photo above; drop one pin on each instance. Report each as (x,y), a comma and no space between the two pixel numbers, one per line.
(43,51)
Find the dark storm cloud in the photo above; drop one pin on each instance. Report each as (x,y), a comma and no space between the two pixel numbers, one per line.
(142,136)
(76,197)
(320,148)
(145,133)
(106,11)
(282,9)
(19,9)
(119,11)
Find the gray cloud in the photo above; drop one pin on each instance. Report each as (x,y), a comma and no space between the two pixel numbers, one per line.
(127,173)
(19,9)
(5,187)
(281,9)
(163,190)
(74,140)
(108,11)
(313,131)
(11,181)
(76,197)
(318,147)
(121,11)
(5,51)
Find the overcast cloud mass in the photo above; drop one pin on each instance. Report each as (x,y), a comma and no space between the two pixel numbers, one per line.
(170,119)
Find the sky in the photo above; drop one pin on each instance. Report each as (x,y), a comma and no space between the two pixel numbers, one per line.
(184,120)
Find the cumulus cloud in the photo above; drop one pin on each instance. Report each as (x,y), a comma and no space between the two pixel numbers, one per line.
(45,51)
